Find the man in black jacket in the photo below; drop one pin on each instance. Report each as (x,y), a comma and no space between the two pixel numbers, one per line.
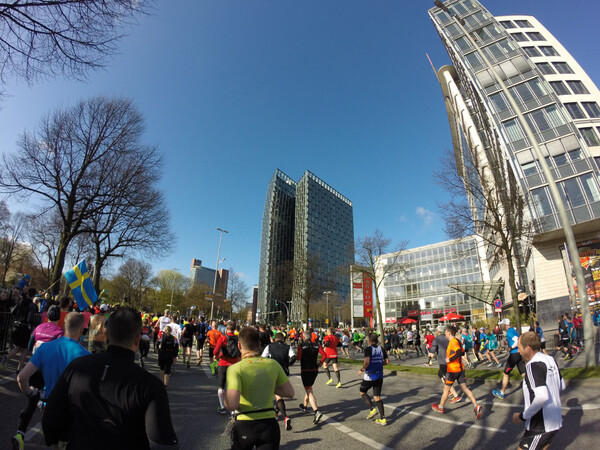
(284,355)
(24,323)
(105,400)
(308,352)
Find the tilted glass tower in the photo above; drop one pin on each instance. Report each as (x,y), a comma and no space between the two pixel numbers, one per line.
(560,104)
(307,246)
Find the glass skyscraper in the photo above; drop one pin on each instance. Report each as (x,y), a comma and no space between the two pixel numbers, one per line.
(307,227)
(559,103)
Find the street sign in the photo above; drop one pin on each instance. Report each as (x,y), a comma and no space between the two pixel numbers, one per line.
(498,305)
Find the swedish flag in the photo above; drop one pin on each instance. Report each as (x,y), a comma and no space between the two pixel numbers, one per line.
(81,286)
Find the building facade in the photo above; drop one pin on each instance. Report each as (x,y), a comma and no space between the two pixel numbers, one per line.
(306,245)
(556,100)
(204,275)
(419,282)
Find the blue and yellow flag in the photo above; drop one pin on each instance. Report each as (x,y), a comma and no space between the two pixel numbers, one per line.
(81,286)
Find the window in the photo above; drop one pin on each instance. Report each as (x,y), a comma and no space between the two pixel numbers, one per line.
(561,160)
(573,192)
(548,50)
(575,110)
(507,24)
(499,48)
(544,119)
(592,109)
(529,168)
(545,68)
(463,44)
(498,102)
(532,51)
(523,24)
(560,88)
(473,59)
(513,130)
(519,37)
(590,187)
(535,36)
(541,202)
(590,136)
(563,67)
(577,87)
(576,154)
(528,91)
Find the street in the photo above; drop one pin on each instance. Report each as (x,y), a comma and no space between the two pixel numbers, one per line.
(407,399)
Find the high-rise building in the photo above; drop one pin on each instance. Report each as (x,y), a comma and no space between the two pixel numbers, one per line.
(559,103)
(307,227)
(205,275)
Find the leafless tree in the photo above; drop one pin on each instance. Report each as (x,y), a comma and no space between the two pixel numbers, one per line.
(12,230)
(308,285)
(40,38)
(131,282)
(70,163)
(237,292)
(369,251)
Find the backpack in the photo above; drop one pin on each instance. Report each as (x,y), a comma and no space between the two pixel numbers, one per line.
(231,350)
(168,344)
(202,330)
(468,342)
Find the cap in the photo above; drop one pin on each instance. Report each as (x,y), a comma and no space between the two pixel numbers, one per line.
(27,276)
(441,328)
(103,307)
(504,322)
(53,313)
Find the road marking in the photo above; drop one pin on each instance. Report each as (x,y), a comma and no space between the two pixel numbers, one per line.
(449,421)
(354,434)
(33,431)
(585,406)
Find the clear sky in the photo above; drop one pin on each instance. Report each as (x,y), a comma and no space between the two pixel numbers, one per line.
(232,90)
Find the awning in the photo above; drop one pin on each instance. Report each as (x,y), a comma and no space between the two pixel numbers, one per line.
(485,292)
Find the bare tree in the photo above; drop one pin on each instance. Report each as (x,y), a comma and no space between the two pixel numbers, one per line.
(70,164)
(237,290)
(131,282)
(41,38)
(172,286)
(12,232)
(308,285)
(369,251)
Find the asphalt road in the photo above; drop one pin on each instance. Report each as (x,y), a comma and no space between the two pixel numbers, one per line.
(407,398)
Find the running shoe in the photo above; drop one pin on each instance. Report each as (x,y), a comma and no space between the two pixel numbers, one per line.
(329,381)
(221,410)
(372,413)
(429,363)
(302,408)
(141,361)
(456,399)
(339,385)
(570,358)
(18,442)
(437,408)
(499,365)
(478,412)
(498,393)
(318,417)
(490,364)
(199,362)
(566,357)
(287,423)
(381,421)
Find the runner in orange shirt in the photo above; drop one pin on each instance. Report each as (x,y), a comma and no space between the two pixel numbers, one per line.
(213,336)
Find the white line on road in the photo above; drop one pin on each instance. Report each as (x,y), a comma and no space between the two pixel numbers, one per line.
(439,419)
(585,406)
(33,431)
(354,434)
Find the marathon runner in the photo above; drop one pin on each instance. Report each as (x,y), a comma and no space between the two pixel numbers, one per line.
(331,343)
(308,352)
(514,358)
(375,358)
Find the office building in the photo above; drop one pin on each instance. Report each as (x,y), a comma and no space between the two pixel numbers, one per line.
(560,104)
(307,228)
(201,275)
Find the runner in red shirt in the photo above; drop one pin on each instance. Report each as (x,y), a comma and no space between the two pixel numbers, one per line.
(330,344)
(226,358)
(429,337)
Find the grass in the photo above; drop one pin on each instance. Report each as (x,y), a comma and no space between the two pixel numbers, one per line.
(568,374)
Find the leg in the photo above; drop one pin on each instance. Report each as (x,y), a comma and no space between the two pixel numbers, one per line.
(337,372)
(310,398)
(445,394)
(468,393)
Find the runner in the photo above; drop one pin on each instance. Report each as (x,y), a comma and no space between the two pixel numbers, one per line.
(439,346)
(308,352)
(540,333)
(228,353)
(168,348)
(213,336)
(284,355)
(417,341)
(145,341)
(345,343)
(456,372)
(375,359)
(491,344)
(514,358)
(331,343)
(429,337)
(541,389)
(187,340)
(201,330)
(467,343)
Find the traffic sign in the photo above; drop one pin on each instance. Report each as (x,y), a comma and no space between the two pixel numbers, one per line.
(498,305)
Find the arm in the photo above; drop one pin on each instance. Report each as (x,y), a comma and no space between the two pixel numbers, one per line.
(55,419)
(159,427)
(265,353)
(322,352)
(292,356)
(366,363)
(217,350)
(23,379)
(232,399)
(285,390)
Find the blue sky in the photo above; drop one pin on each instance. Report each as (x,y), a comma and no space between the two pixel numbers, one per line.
(232,90)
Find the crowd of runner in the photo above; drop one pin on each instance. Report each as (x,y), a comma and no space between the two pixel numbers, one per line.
(96,355)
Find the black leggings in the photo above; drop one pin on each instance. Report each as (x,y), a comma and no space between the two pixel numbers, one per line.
(37,381)
(264,434)
(144,347)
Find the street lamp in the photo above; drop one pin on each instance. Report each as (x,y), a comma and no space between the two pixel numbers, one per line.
(172,290)
(212,306)
(327,306)
(287,309)
(558,201)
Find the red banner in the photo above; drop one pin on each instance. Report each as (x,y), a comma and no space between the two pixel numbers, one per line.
(413,313)
(438,312)
(367,296)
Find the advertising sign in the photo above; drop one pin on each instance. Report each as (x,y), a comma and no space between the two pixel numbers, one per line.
(367,296)
(357,295)
(589,256)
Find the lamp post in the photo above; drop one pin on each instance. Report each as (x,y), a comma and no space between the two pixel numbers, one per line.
(287,309)
(327,306)
(558,202)
(212,306)
(170,305)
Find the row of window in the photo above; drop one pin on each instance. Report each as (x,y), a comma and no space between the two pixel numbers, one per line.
(576,112)
(542,50)
(556,67)
(530,36)
(571,191)
(577,87)
(516,24)
(591,136)
(556,161)
(540,120)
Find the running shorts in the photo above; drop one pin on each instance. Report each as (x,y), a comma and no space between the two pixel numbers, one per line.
(533,441)
(375,384)
(451,377)
(186,342)
(200,343)
(211,352)
(308,378)
(20,336)
(543,346)
(262,433)
(165,362)
(331,361)
(514,359)
(222,376)
(442,371)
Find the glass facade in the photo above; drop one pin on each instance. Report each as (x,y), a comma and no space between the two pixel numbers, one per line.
(419,286)
(308,219)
